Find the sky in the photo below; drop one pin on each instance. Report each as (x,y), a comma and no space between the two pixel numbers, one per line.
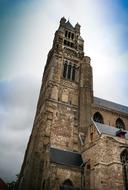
(27,30)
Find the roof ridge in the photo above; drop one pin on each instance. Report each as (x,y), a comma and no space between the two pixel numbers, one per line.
(111,105)
(110,101)
(64,150)
(107,129)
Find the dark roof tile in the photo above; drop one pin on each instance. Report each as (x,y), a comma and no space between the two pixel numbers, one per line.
(110,105)
(108,130)
(65,157)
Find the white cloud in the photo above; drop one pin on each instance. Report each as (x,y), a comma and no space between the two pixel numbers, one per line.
(18,101)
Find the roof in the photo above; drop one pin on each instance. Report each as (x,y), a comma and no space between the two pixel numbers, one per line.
(110,105)
(109,130)
(65,157)
(80,38)
(69,25)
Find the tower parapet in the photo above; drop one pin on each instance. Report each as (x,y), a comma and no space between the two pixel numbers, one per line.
(68,40)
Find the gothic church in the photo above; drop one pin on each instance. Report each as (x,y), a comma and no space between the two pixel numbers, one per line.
(78,141)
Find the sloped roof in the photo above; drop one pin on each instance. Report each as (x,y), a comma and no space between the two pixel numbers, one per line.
(108,130)
(110,105)
(65,157)
(80,38)
(69,25)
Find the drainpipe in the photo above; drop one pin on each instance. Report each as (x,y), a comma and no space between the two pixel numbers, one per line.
(82,174)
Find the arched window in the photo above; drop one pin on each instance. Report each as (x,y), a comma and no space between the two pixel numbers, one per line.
(69,70)
(72,36)
(65,69)
(68,182)
(120,124)
(124,160)
(68,43)
(66,33)
(69,34)
(98,117)
(65,42)
(73,73)
(72,45)
(67,185)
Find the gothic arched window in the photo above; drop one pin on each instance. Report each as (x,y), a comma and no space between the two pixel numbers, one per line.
(69,34)
(66,33)
(124,160)
(69,71)
(73,73)
(71,44)
(66,185)
(98,117)
(72,36)
(65,69)
(120,124)
(65,42)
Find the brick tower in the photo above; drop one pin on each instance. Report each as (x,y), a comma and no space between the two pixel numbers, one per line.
(53,157)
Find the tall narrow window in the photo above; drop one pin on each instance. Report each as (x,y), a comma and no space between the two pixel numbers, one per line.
(69,34)
(72,45)
(124,160)
(73,73)
(65,69)
(72,36)
(65,42)
(91,136)
(66,33)
(68,43)
(69,72)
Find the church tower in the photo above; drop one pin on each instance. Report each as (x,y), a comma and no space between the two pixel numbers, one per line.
(53,157)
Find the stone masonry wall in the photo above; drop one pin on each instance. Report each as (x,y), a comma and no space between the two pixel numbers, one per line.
(61,173)
(104,169)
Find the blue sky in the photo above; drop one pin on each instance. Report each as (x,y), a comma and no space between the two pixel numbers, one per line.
(26,33)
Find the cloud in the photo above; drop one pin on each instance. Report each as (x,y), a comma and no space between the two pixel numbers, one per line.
(17,108)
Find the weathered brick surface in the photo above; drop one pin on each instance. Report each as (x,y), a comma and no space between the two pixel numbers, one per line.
(59,173)
(103,156)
